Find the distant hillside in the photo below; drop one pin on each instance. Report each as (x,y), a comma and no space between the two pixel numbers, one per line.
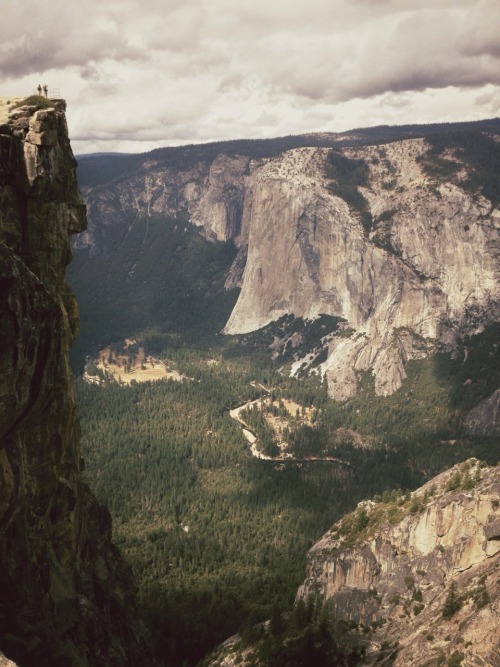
(394,230)
(99,168)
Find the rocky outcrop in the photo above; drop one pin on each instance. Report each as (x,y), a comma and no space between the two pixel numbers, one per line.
(419,575)
(223,207)
(66,595)
(5,662)
(484,419)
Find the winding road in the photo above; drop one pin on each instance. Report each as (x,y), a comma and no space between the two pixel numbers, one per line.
(252,439)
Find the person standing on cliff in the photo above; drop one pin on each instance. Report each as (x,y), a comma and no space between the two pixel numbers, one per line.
(39,90)
(46,90)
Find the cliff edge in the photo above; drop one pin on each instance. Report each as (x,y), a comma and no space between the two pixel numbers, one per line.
(66,597)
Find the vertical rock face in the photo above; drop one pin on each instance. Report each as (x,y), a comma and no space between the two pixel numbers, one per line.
(428,269)
(390,566)
(484,419)
(219,210)
(63,587)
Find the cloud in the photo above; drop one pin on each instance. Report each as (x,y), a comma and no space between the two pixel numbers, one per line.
(60,39)
(399,53)
(160,71)
(480,35)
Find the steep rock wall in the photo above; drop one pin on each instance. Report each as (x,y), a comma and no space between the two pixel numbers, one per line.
(66,595)
(428,269)
(390,567)
(484,419)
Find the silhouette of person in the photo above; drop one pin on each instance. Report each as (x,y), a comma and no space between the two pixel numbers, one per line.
(39,89)
(46,90)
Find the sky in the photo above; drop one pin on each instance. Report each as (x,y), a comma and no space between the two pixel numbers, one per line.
(140,74)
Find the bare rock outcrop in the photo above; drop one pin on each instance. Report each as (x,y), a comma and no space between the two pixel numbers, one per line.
(419,575)
(5,662)
(66,595)
(221,206)
(484,419)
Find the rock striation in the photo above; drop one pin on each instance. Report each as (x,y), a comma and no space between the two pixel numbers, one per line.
(66,595)
(418,576)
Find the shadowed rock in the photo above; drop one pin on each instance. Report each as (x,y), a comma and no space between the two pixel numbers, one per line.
(66,595)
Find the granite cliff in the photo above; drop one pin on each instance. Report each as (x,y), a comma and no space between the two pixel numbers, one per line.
(417,576)
(66,595)
(426,272)
(420,274)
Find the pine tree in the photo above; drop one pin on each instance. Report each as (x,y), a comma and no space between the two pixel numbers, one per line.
(452,603)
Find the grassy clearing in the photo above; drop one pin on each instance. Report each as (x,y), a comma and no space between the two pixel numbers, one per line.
(37,101)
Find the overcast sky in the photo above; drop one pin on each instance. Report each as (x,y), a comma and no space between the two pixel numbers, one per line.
(138,74)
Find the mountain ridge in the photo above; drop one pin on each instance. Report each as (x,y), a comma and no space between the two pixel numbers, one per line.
(375,252)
